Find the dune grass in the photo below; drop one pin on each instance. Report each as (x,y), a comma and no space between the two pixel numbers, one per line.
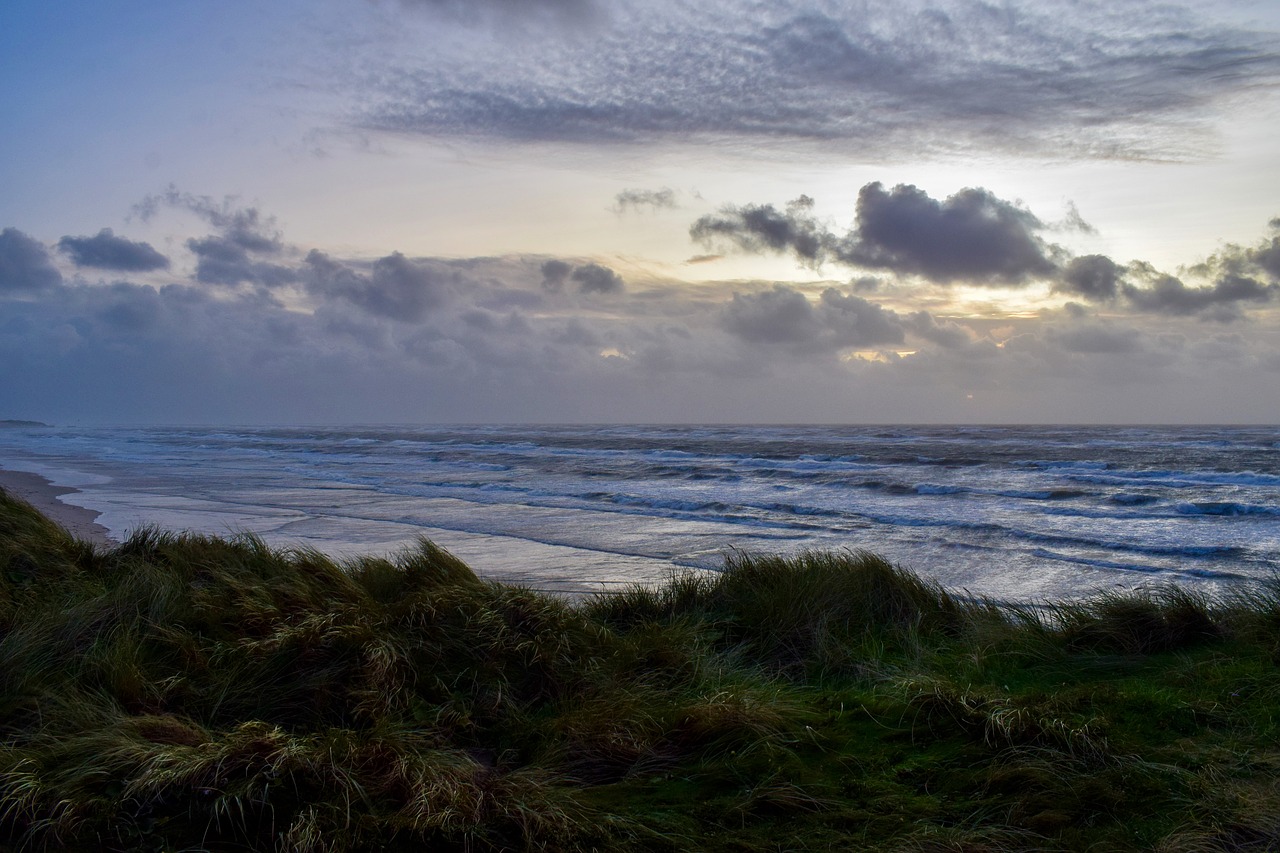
(182,692)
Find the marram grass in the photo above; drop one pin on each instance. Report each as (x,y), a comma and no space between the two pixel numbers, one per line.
(182,692)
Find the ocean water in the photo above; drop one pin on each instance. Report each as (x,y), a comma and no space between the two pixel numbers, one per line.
(1019,513)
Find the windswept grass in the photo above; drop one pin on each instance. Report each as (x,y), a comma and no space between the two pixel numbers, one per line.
(200,693)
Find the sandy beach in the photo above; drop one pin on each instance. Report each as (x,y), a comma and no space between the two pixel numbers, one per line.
(43,495)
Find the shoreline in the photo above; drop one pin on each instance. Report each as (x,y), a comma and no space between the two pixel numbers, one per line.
(43,495)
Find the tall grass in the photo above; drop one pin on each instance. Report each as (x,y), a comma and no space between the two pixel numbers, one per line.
(190,692)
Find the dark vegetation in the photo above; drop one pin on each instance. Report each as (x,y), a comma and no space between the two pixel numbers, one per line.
(181,692)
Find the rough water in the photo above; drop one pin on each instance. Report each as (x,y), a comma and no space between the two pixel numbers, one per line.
(1009,512)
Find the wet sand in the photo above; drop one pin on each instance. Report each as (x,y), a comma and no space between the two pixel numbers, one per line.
(43,495)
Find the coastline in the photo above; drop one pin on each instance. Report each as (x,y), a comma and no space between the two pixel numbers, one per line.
(43,495)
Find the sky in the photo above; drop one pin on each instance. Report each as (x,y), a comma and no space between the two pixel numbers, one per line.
(794,211)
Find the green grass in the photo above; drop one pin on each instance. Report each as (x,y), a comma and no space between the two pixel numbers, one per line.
(182,692)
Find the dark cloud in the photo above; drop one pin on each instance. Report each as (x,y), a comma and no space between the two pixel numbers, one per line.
(1222,300)
(555,273)
(1239,288)
(593,278)
(1267,255)
(590,277)
(664,198)
(1108,80)
(1093,277)
(220,260)
(972,236)
(780,315)
(784,315)
(1236,277)
(24,264)
(107,251)
(762,227)
(1261,260)
(856,322)
(396,287)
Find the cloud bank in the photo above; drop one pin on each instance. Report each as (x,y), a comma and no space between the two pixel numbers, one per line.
(244,326)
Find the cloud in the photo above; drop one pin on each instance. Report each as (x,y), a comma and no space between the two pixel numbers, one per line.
(1235,282)
(1261,260)
(130,308)
(1093,337)
(1075,222)
(947,333)
(590,277)
(575,333)
(504,6)
(855,321)
(24,264)
(1093,277)
(972,236)
(396,287)
(661,199)
(593,278)
(762,227)
(555,273)
(1131,79)
(245,227)
(1267,255)
(220,260)
(1165,294)
(510,13)
(780,315)
(784,315)
(107,251)
(235,254)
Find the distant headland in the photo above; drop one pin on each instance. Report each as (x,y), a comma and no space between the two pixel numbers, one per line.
(14,423)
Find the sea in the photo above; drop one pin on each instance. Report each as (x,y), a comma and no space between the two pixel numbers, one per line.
(1015,513)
